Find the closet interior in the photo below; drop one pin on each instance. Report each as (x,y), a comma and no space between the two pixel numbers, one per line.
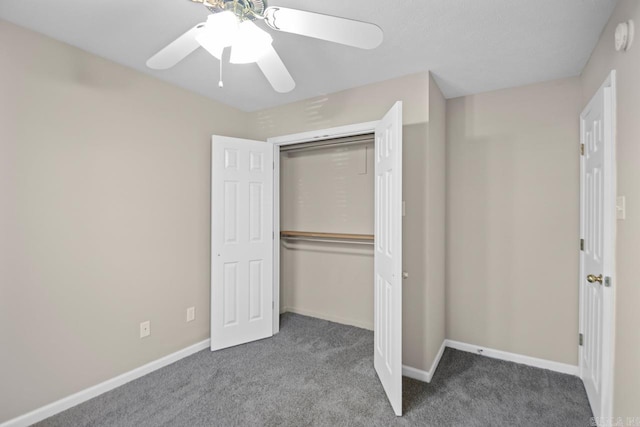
(327,226)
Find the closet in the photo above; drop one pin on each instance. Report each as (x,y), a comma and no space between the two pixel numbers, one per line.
(292,225)
(327,229)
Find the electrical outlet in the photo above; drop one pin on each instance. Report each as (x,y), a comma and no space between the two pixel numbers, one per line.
(191,314)
(145,329)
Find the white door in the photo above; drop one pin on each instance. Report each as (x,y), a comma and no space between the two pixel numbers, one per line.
(597,207)
(241,241)
(388,255)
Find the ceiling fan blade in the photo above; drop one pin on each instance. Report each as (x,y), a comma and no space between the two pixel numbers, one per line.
(276,72)
(176,51)
(331,28)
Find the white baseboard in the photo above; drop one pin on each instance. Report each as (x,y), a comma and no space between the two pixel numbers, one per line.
(419,374)
(96,390)
(436,361)
(416,374)
(563,368)
(335,319)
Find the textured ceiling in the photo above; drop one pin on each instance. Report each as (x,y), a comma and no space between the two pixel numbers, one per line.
(471,46)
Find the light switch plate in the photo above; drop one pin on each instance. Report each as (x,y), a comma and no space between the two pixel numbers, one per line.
(191,314)
(621,207)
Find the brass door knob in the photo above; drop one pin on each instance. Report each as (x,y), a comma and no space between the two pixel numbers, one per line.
(593,279)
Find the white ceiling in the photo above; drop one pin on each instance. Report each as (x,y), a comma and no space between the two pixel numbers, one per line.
(471,46)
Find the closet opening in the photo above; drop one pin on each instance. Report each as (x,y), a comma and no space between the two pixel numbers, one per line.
(327,195)
(317,197)
(337,241)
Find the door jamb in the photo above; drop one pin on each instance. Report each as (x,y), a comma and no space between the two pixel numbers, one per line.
(299,138)
(610,223)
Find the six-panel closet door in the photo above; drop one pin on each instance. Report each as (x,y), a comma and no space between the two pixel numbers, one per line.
(241,241)
(388,256)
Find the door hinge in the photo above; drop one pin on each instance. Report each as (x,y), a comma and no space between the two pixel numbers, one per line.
(581,339)
(582,244)
(582,149)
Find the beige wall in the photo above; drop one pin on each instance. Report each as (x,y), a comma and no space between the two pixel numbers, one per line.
(358,105)
(104,177)
(626,396)
(513,220)
(435,202)
(424,235)
(328,190)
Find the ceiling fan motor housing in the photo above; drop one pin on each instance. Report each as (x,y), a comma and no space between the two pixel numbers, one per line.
(244,9)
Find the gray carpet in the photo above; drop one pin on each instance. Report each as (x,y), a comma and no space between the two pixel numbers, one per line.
(318,373)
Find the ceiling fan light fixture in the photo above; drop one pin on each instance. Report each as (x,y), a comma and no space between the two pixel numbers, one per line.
(219,32)
(251,44)
(211,45)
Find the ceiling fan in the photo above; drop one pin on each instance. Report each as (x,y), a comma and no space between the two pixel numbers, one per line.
(231,24)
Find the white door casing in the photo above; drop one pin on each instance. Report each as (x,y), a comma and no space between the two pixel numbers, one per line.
(300,138)
(597,227)
(241,241)
(388,255)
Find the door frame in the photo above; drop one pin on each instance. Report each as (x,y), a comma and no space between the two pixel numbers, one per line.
(610,224)
(299,138)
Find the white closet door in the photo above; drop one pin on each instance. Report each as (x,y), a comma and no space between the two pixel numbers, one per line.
(597,218)
(388,255)
(241,241)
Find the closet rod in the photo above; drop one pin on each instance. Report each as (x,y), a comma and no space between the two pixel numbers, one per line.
(325,144)
(313,239)
(323,235)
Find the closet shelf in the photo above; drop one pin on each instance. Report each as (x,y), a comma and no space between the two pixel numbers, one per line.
(366,239)
(326,235)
